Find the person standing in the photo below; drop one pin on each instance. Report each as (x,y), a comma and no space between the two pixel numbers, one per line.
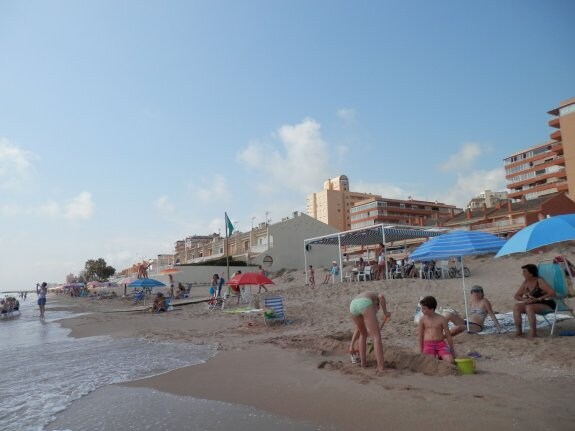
(42,291)
(380,275)
(262,271)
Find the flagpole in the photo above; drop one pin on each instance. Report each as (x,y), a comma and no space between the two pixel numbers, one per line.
(226,244)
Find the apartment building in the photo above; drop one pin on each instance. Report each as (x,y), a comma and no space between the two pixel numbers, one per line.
(508,217)
(547,168)
(332,205)
(564,121)
(378,210)
(488,199)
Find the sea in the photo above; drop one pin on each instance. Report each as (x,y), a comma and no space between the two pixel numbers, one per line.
(51,381)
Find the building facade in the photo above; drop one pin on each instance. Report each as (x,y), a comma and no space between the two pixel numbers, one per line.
(275,246)
(564,121)
(488,199)
(332,205)
(509,217)
(379,210)
(547,168)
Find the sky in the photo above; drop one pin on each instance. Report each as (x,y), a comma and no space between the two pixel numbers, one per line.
(128,125)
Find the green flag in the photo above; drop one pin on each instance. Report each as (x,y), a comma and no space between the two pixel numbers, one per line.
(229,225)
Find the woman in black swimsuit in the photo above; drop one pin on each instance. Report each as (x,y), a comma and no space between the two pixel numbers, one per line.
(534,297)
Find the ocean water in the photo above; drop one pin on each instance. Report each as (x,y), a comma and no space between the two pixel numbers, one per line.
(50,381)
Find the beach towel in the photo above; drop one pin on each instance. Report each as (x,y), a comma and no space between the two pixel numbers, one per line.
(507,324)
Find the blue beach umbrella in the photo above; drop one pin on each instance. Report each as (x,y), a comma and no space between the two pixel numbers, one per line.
(549,231)
(145,283)
(458,244)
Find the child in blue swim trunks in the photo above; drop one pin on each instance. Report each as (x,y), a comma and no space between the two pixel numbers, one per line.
(363,309)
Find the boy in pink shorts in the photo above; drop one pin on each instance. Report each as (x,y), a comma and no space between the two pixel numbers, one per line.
(434,331)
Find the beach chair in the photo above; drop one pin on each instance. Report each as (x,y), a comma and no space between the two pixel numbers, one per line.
(554,275)
(245,294)
(274,309)
(140,295)
(366,274)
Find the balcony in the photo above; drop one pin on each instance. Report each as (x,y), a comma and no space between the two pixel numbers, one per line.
(554,122)
(556,135)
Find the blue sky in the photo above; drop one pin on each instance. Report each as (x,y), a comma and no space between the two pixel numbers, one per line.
(127,125)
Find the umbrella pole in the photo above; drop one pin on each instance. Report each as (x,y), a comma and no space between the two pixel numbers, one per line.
(464,294)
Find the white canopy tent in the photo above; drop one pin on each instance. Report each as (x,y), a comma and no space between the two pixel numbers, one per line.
(368,236)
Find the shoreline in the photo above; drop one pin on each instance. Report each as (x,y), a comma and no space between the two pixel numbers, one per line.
(302,370)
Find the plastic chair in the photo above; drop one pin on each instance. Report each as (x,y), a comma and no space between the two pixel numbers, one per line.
(444,268)
(554,275)
(276,306)
(366,274)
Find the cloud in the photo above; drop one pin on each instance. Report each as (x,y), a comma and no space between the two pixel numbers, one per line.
(464,159)
(15,164)
(165,206)
(80,208)
(50,209)
(214,190)
(299,162)
(347,115)
(11,210)
(382,189)
(469,185)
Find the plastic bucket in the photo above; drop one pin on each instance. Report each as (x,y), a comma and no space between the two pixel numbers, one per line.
(465,365)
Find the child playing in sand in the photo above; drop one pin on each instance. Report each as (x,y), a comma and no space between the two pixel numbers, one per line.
(433,331)
(363,309)
(311,276)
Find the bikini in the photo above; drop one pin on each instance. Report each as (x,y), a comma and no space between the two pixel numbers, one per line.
(358,305)
(479,311)
(538,293)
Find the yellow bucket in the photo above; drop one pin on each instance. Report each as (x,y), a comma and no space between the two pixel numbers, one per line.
(465,365)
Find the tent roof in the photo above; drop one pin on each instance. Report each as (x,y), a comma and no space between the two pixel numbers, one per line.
(373,235)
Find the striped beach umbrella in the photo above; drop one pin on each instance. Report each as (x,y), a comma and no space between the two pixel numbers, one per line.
(459,243)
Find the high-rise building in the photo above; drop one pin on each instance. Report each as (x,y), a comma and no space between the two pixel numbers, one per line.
(378,210)
(332,205)
(564,121)
(336,206)
(547,168)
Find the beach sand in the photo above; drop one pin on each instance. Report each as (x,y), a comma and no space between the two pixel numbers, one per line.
(302,370)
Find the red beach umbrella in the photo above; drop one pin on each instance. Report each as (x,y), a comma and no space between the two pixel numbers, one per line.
(249,278)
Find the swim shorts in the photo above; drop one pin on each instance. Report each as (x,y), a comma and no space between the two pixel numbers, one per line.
(41,301)
(436,348)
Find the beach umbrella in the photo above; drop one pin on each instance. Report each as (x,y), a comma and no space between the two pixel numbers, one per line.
(145,283)
(550,231)
(169,271)
(249,278)
(458,244)
(126,280)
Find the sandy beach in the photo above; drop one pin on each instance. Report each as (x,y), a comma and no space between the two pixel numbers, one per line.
(302,369)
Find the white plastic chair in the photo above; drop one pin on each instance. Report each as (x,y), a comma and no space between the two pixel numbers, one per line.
(366,274)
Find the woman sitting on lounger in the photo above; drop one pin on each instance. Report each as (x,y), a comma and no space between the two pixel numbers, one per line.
(480,307)
(534,297)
